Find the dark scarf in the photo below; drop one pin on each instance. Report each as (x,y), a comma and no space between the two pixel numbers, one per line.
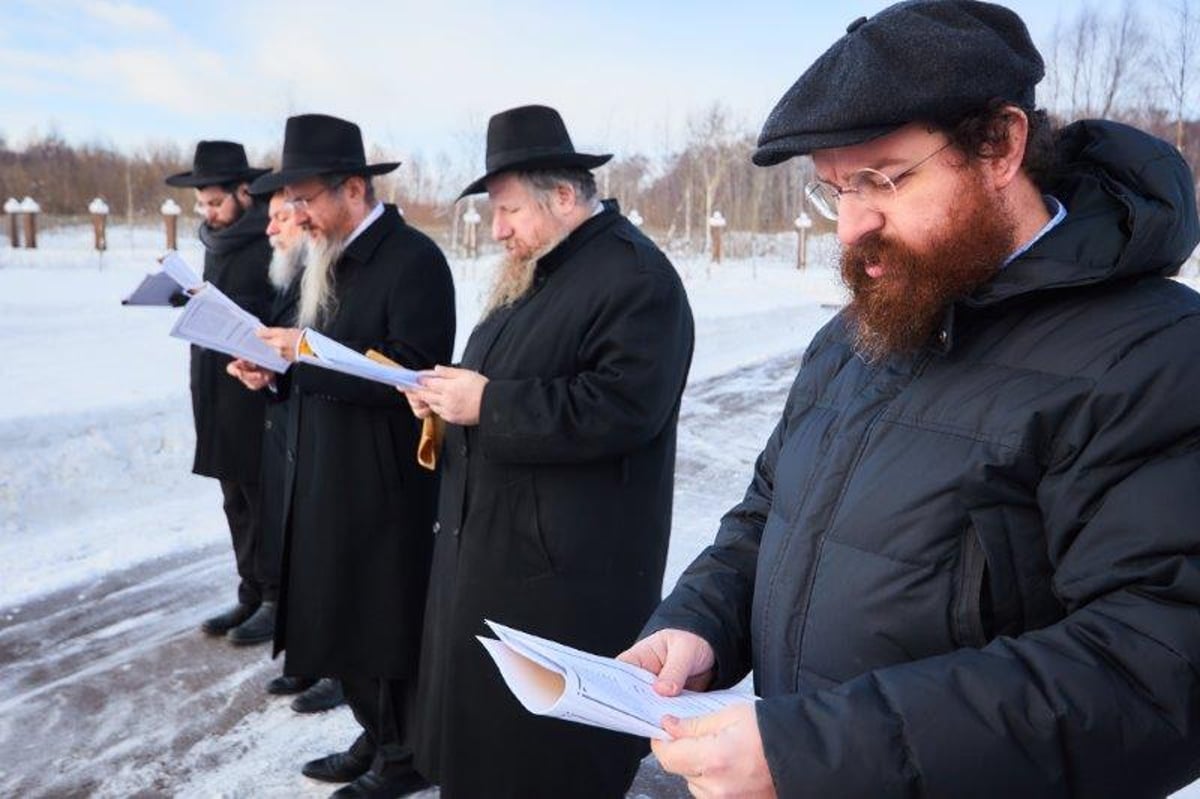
(252,225)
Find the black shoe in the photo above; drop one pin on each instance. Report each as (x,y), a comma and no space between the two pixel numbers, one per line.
(257,629)
(285,686)
(224,622)
(325,695)
(338,767)
(373,786)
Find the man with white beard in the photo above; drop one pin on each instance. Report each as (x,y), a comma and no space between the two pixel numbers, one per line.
(357,506)
(558,464)
(289,245)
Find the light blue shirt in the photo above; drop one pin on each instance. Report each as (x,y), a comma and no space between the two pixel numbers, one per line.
(1058,213)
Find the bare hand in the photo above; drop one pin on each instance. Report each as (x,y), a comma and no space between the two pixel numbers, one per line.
(253,376)
(720,755)
(679,658)
(453,394)
(281,339)
(420,407)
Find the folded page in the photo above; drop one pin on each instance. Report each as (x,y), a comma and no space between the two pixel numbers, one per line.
(213,321)
(320,350)
(179,271)
(553,679)
(156,289)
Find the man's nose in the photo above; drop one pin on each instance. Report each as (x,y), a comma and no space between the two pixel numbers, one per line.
(500,231)
(856,219)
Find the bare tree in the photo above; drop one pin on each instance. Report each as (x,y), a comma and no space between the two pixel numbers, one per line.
(1177,60)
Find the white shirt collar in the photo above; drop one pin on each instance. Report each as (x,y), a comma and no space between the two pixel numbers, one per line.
(375,213)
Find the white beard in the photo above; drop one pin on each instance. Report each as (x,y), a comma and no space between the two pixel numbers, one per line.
(286,264)
(317,300)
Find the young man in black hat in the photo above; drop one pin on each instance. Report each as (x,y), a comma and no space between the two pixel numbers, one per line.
(358,507)
(228,418)
(558,465)
(966,563)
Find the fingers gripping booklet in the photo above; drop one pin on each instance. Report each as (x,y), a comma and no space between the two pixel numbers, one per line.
(552,679)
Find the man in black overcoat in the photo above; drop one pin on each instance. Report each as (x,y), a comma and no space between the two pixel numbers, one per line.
(358,507)
(558,461)
(229,418)
(289,249)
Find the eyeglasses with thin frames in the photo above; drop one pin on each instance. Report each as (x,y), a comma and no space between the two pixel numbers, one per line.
(300,204)
(871,187)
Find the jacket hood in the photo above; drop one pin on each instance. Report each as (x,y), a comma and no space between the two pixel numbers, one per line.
(1131,211)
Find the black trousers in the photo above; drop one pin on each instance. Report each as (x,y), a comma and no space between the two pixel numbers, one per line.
(384,709)
(243,512)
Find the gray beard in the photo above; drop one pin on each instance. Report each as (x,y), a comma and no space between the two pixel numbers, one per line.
(285,264)
(317,300)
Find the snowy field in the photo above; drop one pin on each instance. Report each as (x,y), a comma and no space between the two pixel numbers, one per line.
(111,551)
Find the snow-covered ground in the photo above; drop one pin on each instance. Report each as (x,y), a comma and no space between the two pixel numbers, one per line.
(111,551)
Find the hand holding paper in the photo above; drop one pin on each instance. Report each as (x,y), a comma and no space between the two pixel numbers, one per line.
(552,679)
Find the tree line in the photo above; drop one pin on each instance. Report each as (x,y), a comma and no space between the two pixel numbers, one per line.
(1121,65)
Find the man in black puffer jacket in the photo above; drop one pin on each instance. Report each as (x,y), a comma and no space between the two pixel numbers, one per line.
(968,560)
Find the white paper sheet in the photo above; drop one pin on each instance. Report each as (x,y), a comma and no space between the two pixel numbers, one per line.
(329,354)
(178,270)
(155,289)
(215,322)
(552,679)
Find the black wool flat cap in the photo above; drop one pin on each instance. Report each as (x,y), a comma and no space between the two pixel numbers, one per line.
(923,60)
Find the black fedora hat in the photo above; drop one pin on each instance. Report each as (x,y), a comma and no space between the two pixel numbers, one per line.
(318,144)
(214,163)
(526,138)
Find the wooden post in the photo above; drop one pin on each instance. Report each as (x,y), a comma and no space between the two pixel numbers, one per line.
(170,213)
(30,209)
(471,220)
(716,223)
(12,210)
(99,211)
(803,223)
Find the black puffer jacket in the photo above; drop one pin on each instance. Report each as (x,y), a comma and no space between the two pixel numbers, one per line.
(976,571)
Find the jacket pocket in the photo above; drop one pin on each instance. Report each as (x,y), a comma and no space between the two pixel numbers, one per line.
(527,546)
(967,621)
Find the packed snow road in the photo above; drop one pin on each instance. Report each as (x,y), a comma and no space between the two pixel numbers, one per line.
(109,689)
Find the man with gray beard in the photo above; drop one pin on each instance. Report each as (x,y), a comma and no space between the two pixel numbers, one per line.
(558,464)
(289,245)
(357,507)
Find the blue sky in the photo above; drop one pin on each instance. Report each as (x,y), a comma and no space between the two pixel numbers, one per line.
(418,76)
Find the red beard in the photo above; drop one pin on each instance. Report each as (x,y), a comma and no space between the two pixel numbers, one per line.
(897,312)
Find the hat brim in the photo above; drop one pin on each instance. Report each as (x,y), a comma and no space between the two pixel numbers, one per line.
(781,149)
(269,184)
(190,180)
(557,161)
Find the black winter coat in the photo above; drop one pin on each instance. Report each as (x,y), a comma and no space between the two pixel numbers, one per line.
(360,510)
(555,509)
(976,572)
(279,435)
(228,416)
